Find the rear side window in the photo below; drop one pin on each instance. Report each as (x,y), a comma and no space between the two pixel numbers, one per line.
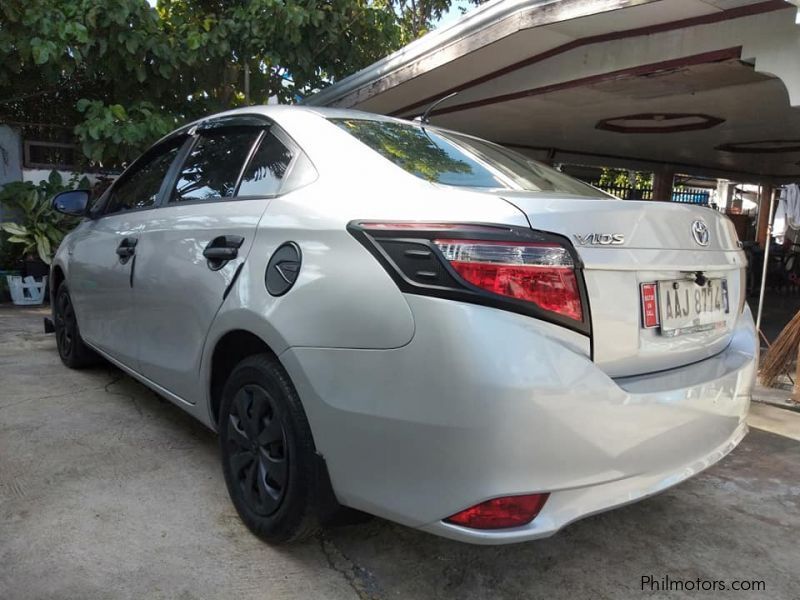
(264,175)
(139,188)
(212,168)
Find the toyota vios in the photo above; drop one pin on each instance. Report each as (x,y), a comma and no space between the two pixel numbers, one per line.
(412,322)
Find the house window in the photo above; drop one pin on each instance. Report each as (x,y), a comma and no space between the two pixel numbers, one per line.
(50,155)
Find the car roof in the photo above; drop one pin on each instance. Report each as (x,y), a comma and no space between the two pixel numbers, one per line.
(274,111)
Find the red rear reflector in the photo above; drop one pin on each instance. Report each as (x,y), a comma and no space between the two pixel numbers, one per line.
(499,513)
(649,305)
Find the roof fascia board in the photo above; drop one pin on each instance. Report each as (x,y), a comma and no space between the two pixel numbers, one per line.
(478,28)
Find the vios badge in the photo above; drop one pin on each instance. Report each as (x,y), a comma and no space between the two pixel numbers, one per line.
(283,269)
(700,233)
(600,239)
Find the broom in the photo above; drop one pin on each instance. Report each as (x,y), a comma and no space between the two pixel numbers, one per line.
(782,352)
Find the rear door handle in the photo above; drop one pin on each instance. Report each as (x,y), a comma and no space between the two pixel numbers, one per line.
(222,249)
(126,248)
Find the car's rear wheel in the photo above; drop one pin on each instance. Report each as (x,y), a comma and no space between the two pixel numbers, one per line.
(268,454)
(73,351)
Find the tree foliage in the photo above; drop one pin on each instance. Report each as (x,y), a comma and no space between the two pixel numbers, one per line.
(120,73)
(637,180)
(417,17)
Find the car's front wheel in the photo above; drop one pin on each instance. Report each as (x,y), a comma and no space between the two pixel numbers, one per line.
(268,454)
(73,351)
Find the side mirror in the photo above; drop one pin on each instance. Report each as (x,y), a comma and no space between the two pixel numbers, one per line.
(72,202)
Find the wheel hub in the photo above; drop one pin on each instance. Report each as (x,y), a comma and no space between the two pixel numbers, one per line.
(257,449)
(64,320)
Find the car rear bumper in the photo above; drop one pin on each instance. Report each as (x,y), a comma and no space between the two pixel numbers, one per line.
(483,403)
(568,505)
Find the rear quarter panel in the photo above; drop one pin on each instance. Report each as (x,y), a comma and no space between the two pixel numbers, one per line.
(343,298)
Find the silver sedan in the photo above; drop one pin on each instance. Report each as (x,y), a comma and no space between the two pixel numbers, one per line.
(380,314)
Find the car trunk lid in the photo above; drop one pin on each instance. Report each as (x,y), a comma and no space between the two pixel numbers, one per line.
(690,253)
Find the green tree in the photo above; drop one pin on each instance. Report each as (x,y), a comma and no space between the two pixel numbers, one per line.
(122,73)
(622,178)
(417,17)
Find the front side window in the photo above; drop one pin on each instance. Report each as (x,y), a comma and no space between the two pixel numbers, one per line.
(451,159)
(139,188)
(212,168)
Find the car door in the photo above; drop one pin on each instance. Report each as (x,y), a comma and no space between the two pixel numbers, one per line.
(192,248)
(102,255)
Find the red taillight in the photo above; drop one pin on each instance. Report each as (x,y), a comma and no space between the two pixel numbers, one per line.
(499,513)
(517,269)
(542,273)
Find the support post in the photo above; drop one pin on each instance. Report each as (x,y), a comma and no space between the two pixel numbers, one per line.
(663,183)
(765,198)
(723,194)
(247,83)
(766,264)
(796,394)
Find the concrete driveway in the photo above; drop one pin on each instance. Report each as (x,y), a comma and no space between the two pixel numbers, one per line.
(106,491)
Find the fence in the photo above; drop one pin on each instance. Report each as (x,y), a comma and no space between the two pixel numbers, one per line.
(626,192)
(691,196)
(685,195)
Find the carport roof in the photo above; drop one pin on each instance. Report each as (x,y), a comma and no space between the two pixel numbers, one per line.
(707,86)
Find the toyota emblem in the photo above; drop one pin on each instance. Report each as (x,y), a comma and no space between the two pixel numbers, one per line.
(700,233)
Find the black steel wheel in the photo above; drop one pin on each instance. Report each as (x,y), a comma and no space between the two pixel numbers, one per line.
(269,460)
(257,451)
(73,351)
(65,324)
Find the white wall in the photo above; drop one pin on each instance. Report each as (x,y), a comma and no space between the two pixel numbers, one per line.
(10,159)
(37,175)
(10,154)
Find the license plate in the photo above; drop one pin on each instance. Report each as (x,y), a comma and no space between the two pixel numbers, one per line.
(686,307)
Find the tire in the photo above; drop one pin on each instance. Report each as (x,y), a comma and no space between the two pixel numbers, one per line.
(74,353)
(268,455)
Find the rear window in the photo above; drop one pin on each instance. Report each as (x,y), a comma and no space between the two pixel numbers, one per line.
(451,159)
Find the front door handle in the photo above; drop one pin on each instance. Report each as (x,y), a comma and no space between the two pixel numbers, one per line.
(222,249)
(126,248)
